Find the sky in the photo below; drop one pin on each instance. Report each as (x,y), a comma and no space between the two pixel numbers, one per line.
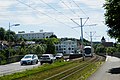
(59,16)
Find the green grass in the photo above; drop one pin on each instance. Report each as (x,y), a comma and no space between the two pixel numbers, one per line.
(48,70)
(48,73)
(85,73)
(37,70)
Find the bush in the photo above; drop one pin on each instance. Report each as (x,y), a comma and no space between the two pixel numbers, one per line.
(111,50)
(100,49)
(3,62)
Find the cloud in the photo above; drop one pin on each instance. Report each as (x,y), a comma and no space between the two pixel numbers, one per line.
(4,5)
(38,13)
(92,3)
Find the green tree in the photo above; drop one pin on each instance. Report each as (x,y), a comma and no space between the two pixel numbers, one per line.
(111,50)
(118,47)
(112,18)
(10,36)
(31,49)
(2,58)
(38,49)
(100,49)
(51,45)
(23,44)
(44,47)
(53,36)
(2,33)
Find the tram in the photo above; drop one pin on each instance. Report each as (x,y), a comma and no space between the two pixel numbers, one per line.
(88,51)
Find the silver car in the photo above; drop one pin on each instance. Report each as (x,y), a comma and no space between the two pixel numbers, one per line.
(59,56)
(29,59)
(47,58)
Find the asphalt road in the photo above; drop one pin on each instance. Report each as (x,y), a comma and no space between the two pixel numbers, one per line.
(110,70)
(14,67)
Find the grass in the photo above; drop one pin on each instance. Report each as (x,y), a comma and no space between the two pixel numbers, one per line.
(48,73)
(84,74)
(37,70)
(48,70)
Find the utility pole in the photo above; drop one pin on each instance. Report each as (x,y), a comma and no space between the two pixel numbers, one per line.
(91,36)
(91,42)
(9,36)
(81,25)
(82,37)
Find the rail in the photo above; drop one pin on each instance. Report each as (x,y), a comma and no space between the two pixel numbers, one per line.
(67,73)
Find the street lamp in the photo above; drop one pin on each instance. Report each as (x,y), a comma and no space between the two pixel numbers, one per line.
(9,28)
(9,34)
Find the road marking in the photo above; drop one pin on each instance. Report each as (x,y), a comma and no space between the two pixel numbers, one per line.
(106,58)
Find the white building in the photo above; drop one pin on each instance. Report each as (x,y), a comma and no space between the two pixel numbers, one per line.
(32,35)
(67,47)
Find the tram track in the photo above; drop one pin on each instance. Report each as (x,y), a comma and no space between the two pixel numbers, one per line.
(71,71)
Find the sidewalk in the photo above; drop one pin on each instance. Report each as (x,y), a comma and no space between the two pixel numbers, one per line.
(110,70)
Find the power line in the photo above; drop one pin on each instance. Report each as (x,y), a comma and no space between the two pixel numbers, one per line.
(43,13)
(49,6)
(54,9)
(69,8)
(38,10)
(79,8)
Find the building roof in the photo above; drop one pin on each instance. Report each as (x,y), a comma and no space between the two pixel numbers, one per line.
(108,44)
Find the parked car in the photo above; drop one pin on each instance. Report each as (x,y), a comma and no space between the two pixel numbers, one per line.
(29,59)
(59,56)
(47,58)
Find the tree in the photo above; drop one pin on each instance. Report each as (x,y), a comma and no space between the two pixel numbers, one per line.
(10,35)
(2,33)
(53,36)
(51,45)
(112,18)
(100,49)
(38,49)
(111,50)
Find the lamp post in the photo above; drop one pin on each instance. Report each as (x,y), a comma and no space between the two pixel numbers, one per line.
(9,34)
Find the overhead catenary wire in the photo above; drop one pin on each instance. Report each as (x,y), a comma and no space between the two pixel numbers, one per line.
(82,12)
(55,9)
(75,13)
(79,8)
(38,11)
(69,8)
(43,13)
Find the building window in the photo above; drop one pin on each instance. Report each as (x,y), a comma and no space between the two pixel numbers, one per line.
(69,48)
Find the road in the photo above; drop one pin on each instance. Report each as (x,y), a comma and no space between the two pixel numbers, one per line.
(14,67)
(110,70)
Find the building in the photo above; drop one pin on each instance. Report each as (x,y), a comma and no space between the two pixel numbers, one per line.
(32,35)
(103,40)
(106,44)
(67,47)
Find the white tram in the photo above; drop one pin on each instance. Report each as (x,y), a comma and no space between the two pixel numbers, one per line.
(88,51)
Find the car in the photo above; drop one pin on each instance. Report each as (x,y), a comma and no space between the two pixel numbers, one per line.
(29,59)
(59,56)
(47,58)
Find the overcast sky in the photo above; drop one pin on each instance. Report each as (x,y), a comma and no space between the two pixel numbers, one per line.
(55,16)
